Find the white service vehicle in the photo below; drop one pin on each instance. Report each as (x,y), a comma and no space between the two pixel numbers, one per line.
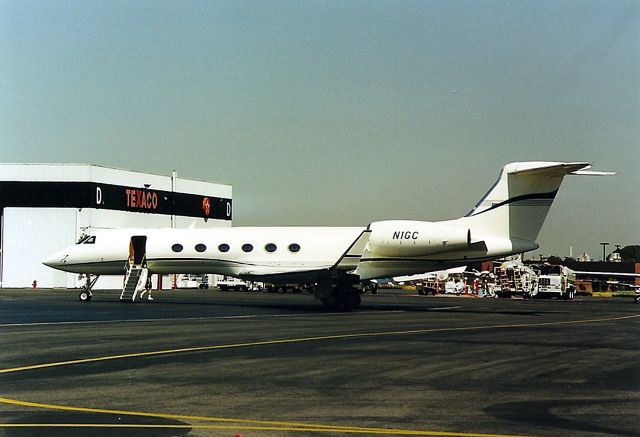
(193,281)
(515,279)
(454,286)
(236,284)
(558,281)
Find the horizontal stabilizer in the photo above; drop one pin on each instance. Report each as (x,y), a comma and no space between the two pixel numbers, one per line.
(545,168)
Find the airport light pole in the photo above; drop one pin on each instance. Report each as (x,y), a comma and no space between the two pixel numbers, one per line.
(604,250)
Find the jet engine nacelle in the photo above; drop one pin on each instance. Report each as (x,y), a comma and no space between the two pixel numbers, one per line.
(400,238)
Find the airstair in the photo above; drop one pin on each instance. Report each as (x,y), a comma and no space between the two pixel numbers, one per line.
(135,281)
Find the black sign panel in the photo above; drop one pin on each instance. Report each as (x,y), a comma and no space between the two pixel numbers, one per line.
(114,197)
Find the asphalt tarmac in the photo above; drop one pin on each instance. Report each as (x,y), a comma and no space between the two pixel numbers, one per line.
(198,362)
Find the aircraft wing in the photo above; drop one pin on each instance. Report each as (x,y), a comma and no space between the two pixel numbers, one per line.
(630,275)
(428,275)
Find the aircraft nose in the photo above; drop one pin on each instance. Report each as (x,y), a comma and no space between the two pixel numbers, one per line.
(56,260)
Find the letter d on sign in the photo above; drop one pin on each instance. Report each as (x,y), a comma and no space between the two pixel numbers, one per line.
(98,196)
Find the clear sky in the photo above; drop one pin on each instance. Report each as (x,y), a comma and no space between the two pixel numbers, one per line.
(337,112)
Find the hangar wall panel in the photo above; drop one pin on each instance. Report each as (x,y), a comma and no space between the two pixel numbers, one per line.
(107,219)
(103,282)
(30,235)
(192,222)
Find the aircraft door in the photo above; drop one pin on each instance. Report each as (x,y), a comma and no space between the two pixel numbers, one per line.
(137,249)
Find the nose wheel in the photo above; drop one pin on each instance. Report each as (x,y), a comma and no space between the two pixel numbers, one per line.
(86,294)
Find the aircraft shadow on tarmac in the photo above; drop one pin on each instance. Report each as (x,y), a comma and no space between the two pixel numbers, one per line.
(295,306)
(456,309)
(62,417)
(539,413)
(314,307)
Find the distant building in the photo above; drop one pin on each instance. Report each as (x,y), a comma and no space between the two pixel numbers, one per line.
(615,257)
(585,257)
(46,207)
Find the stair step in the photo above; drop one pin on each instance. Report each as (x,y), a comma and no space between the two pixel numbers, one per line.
(131,283)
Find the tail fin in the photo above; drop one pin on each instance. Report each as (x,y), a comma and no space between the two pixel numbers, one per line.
(521,198)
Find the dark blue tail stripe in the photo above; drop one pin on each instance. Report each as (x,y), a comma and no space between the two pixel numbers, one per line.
(533,196)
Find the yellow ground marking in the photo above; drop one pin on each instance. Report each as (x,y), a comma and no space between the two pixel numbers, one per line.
(258,428)
(267,425)
(238,424)
(307,339)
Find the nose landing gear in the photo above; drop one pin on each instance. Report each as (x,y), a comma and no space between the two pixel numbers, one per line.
(86,294)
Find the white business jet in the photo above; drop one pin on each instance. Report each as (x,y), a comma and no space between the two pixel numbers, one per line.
(337,260)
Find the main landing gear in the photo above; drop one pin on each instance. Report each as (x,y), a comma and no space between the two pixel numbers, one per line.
(341,295)
(86,294)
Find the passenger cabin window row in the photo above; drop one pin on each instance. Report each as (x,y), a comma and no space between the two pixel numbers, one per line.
(270,247)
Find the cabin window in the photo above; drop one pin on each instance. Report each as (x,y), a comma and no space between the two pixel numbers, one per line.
(270,247)
(223,247)
(294,247)
(200,247)
(177,247)
(247,247)
(87,239)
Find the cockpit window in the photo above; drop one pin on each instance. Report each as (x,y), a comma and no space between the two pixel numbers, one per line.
(87,239)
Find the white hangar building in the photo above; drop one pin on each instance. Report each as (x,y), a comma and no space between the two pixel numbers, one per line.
(46,207)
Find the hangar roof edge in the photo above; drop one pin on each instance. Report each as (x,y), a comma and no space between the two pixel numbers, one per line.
(79,164)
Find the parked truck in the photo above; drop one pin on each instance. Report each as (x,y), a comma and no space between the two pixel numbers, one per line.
(515,279)
(555,281)
(226,283)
